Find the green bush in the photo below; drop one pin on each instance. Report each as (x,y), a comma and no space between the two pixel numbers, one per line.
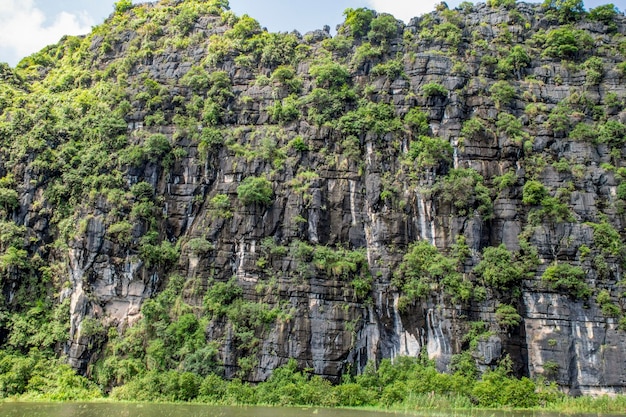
(330,75)
(507,316)
(220,204)
(379,118)
(609,309)
(499,269)
(285,110)
(122,6)
(507,4)
(156,147)
(197,79)
(607,238)
(424,269)
(566,42)
(533,193)
(502,93)
(8,199)
(391,69)
(465,191)
(512,127)
(612,133)
(566,10)
(255,190)
(594,67)
(428,152)
(605,14)
(383,28)
(161,254)
(417,122)
(199,246)
(476,128)
(434,90)
(358,21)
(43,379)
(505,181)
(568,279)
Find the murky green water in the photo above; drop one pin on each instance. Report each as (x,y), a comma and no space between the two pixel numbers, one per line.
(167,410)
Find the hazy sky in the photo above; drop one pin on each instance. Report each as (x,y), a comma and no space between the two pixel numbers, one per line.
(26,26)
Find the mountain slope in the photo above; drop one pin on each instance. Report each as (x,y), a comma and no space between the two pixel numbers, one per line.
(183,190)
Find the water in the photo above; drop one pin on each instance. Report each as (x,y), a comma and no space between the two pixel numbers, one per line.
(169,410)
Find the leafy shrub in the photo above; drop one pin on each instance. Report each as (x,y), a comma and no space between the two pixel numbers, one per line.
(330,75)
(352,395)
(475,128)
(496,390)
(358,21)
(507,4)
(609,309)
(142,191)
(122,6)
(121,231)
(197,78)
(43,379)
(220,203)
(504,181)
(465,190)
(341,263)
(156,147)
(507,316)
(157,254)
(512,127)
(607,238)
(391,69)
(448,33)
(566,42)
(515,61)
(612,133)
(383,28)
(199,245)
(245,28)
(567,278)
(299,144)
(502,93)
(255,190)
(8,199)
(379,118)
(498,268)
(584,132)
(595,70)
(423,269)
(285,111)
(417,121)
(185,20)
(434,90)
(533,192)
(220,295)
(429,152)
(287,76)
(606,14)
(565,10)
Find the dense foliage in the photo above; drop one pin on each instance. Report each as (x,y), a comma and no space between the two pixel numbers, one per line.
(195,155)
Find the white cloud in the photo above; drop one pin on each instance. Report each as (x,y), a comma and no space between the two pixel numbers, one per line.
(404,9)
(24,29)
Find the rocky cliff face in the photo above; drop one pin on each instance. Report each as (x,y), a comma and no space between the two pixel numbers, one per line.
(449,187)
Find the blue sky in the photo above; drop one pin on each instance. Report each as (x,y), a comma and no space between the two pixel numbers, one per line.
(26,26)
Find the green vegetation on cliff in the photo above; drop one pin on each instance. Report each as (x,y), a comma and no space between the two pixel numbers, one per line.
(187,200)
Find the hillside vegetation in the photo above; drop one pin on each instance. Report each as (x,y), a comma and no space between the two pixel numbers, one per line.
(186,198)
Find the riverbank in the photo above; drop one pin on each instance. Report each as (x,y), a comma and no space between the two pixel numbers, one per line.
(407,385)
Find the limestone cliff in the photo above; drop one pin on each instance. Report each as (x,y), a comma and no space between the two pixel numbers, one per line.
(337,200)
